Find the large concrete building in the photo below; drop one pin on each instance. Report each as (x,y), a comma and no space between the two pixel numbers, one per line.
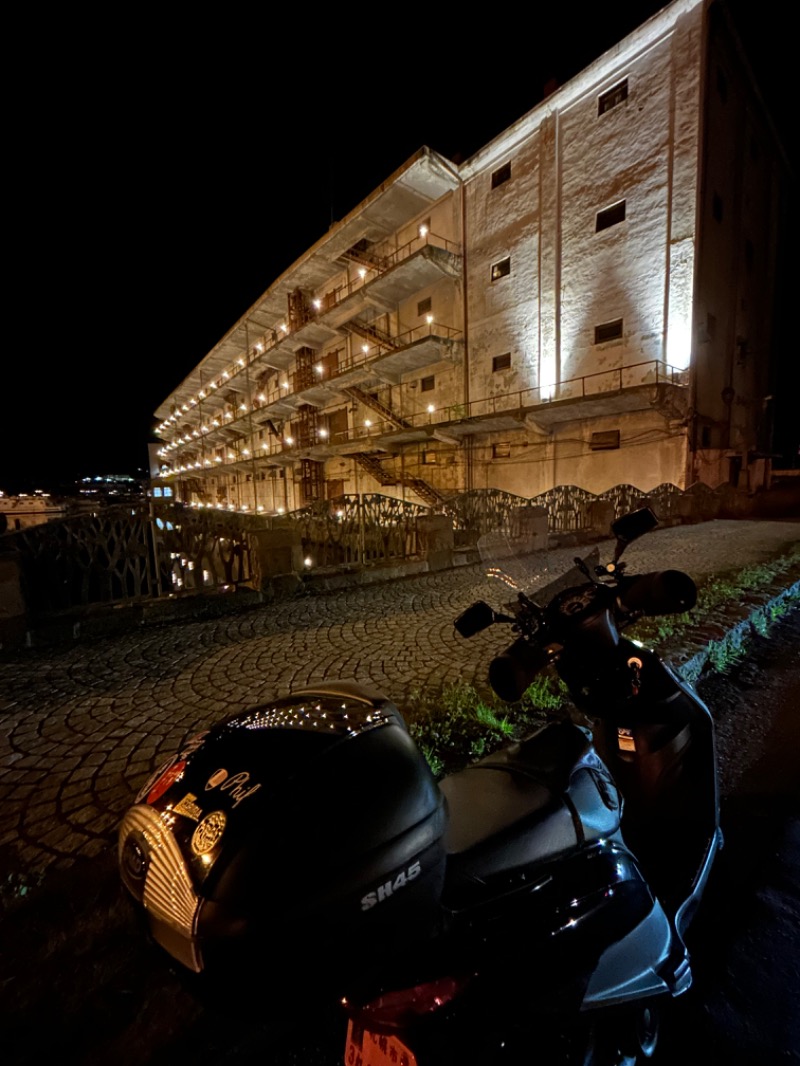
(586,301)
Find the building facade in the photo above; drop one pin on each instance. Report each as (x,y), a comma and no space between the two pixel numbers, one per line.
(586,301)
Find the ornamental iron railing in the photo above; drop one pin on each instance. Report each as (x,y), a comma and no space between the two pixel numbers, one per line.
(123,554)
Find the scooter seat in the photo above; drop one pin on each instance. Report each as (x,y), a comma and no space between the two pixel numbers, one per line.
(528,802)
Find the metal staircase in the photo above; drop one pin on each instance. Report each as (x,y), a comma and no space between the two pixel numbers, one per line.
(371,333)
(369,401)
(374,467)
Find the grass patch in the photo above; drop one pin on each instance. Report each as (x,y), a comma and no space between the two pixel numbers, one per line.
(460,724)
(718,592)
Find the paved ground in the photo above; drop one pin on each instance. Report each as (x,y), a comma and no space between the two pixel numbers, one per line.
(82,726)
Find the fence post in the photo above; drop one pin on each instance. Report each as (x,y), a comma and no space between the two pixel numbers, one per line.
(361,541)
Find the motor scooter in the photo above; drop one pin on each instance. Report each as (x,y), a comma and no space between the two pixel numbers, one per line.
(531,907)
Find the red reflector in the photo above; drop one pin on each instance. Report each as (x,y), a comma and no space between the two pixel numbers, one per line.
(404,1005)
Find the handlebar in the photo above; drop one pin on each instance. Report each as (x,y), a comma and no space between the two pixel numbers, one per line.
(662,592)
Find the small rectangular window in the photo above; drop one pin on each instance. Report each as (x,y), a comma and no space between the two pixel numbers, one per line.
(427,384)
(501,269)
(424,306)
(501,175)
(613,97)
(610,216)
(608,331)
(428,458)
(501,362)
(501,451)
(605,441)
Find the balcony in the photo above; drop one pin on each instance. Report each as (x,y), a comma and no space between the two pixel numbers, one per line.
(422,180)
(641,387)
(383,283)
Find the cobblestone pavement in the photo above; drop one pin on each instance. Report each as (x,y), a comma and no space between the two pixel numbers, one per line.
(82,726)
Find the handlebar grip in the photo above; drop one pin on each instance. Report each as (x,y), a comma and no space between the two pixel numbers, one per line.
(662,592)
(512,672)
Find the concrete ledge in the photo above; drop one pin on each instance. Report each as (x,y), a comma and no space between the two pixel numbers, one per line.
(707,650)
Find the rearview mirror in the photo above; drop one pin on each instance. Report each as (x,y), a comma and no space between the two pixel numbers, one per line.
(632,526)
(477,617)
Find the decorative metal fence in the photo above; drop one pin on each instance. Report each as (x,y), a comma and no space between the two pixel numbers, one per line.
(362,529)
(107,556)
(141,551)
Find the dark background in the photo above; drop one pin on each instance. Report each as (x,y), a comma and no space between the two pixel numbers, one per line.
(163,171)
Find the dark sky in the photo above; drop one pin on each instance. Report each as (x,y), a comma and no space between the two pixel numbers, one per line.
(164,173)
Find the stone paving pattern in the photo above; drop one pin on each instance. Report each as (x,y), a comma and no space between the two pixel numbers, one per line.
(83,725)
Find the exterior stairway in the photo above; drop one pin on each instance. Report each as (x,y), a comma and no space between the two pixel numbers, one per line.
(374,467)
(369,401)
(371,333)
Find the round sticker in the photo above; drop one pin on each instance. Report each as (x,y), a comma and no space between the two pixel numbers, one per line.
(208,834)
(167,779)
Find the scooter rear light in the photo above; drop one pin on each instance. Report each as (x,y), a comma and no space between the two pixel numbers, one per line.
(403,1006)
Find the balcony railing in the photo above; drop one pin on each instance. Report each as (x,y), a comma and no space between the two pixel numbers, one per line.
(602,383)
(381,264)
(268,342)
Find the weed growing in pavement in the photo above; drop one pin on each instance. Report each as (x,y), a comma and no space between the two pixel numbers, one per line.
(459,724)
(716,592)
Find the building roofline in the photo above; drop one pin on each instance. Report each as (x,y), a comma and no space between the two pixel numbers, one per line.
(606,68)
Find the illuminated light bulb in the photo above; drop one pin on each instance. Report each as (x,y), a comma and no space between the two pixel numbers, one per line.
(284,327)
(215,422)
(262,397)
(260,507)
(259,347)
(265,446)
(307,561)
(362,272)
(430,408)
(284,384)
(318,368)
(280,510)
(224,375)
(289,440)
(202,394)
(213,385)
(429,319)
(228,414)
(240,362)
(317,303)
(323,433)
(364,347)
(231,455)
(242,406)
(192,402)
(367,422)
(423,231)
(207,462)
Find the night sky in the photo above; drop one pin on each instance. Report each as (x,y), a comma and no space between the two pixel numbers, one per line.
(163,173)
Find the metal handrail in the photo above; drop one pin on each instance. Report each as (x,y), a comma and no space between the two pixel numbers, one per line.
(523,399)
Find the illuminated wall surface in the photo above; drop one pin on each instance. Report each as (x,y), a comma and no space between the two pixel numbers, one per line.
(586,301)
